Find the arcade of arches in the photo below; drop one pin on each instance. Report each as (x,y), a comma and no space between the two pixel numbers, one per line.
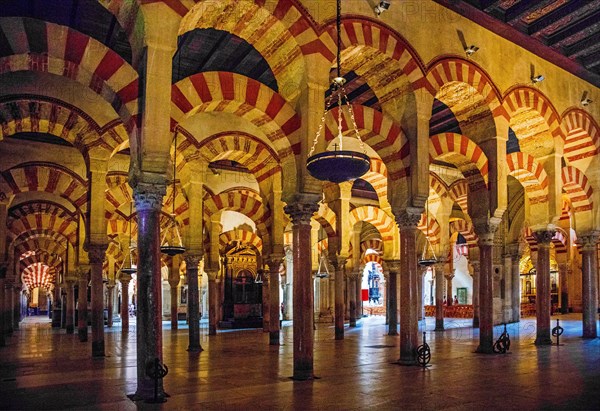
(120,117)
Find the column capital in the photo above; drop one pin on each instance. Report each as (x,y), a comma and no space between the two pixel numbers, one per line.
(273,261)
(476,265)
(512,250)
(301,212)
(485,228)
(124,278)
(391,265)
(148,196)
(96,253)
(338,262)
(192,260)
(83,271)
(588,240)
(408,218)
(543,236)
(212,274)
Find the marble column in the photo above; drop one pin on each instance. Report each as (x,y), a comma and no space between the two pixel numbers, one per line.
(515,257)
(96,254)
(476,269)
(449,295)
(148,204)
(2,303)
(352,297)
(407,221)
(439,296)
(393,268)
(212,302)
(273,264)
(358,282)
(125,279)
(70,305)
(301,213)
(9,296)
(543,305)
(563,272)
(589,282)
(191,263)
(174,286)
(18,291)
(486,300)
(339,263)
(266,312)
(82,304)
(110,302)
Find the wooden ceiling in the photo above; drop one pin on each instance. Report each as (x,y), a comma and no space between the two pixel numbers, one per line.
(565,32)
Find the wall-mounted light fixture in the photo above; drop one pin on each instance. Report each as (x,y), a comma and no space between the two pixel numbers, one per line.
(381,7)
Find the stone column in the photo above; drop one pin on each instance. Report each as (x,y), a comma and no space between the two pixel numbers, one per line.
(563,272)
(513,251)
(96,254)
(69,284)
(125,279)
(358,282)
(475,275)
(407,221)
(486,300)
(301,213)
(82,308)
(212,301)
(8,306)
(339,263)
(273,264)
(110,301)
(2,303)
(589,282)
(542,284)
(393,268)
(449,295)
(352,297)
(265,301)
(174,285)
(191,264)
(439,296)
(148,203)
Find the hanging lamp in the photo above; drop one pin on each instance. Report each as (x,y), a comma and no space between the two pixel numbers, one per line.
(175,247)
(428,257)
(338,165)
(128,267)
(258,279)
(322,264)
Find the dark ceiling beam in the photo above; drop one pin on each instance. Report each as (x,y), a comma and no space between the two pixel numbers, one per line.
(592,61)
(575,28)
(518,10)
(521,39)
(555,15)
(582,45)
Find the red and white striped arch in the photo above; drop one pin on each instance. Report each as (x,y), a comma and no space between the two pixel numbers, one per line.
(459,192)
(374,258)
(39,256)
(359,32)
(323,245)
(454,69)
(578,188)
(378,218)
(66,227)
(240,237)
(430,228)
(437,185)
(45,177)
(76,56)
(38,275)
(244,201)
(530,174)
(377,176)
(119,225)
(21,115)
(374,244)
(382,134)
(463,153)
(524,98)
(39,242)
(326,218)
(582,135)
(242,96)
(465,228)
(565,214)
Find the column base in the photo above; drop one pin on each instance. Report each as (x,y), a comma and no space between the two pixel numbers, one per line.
(195,348)
(485,349)
(352,323)
(274,338)
(83,335)
(439,325)
(543,341)
(212,330)
(70,329)
(405,362)
(475,322)
(303,375)
(589,336)
(97,349)
(392,333)
(339,334)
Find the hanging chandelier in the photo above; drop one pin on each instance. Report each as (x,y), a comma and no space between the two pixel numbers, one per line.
(128,267)
(338,165)
(171,233)
(428,257)
(322,271)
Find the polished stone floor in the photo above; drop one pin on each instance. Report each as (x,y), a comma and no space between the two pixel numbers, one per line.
(43,368)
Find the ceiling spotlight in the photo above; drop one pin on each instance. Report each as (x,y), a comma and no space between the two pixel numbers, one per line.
(586,102)
(537,79)
(381,7)
(471,50)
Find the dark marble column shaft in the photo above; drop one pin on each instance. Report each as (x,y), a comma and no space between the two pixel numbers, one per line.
(543,305)
(439,296)
(273,264)
(266,312)
(564,288)
(476,277)
(110,303)
(352,297)
(82,303)
(393,268)
(97,253)
(515,281)
(173,285)
(589,283)
(148,203)
(125,279)
(213,302)
(340,268)
(9,296)
(191,263)
(486,300)
(301,213)
(70,305)
(2,303)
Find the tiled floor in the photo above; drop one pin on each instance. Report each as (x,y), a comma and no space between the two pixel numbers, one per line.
(42,368)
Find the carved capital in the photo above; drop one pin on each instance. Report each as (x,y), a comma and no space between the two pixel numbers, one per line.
(391,266)
(273,262)
(212,274)
(96,253)
(485,227)
(125,278)
(192,261)
(338,262)
(301,213)
(149,196)
(543,236)
(408,218)
(83,271)
(588,241)
(513,251)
